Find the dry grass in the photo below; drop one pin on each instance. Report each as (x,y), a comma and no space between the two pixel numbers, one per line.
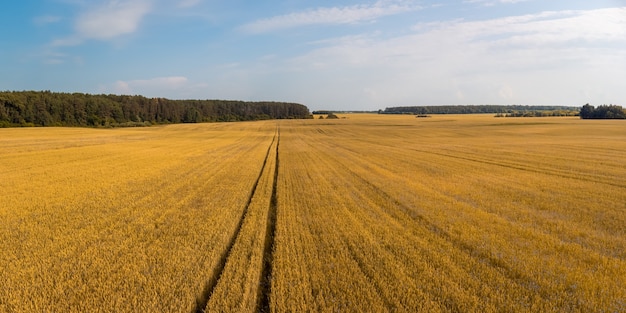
(120,220)
(450,213)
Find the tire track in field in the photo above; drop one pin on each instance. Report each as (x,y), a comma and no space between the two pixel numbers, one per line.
(265,285)
(202,301)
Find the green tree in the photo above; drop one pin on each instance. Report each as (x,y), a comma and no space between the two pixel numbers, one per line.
(587,111)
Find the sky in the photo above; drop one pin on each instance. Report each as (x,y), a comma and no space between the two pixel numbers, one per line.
(329,55)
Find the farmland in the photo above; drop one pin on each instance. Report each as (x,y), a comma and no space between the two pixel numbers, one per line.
(369,213)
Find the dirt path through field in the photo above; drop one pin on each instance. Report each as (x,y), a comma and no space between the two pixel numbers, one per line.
(247,261)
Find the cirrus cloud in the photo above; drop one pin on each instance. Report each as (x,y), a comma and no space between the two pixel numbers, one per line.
(494,2)
(331,15)
(46,19)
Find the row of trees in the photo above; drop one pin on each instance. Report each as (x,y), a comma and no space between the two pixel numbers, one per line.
(539,113)
(474,109)
(45,108)
(602,112)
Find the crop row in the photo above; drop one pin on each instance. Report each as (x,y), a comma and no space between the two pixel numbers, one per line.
(122,221)
(431,216)
(369,213)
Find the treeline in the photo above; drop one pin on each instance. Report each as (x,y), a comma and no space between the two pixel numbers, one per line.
(539,113)
(476,109)
(322,112)
(602,112)
(45,108)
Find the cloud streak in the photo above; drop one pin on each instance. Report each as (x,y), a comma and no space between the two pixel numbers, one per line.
(174,87)
(111,20)
(329,16)
(153,86)
(188,3)
(46,19)
(494,2)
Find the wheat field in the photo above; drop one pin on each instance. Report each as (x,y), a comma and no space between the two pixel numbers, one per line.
(366,213)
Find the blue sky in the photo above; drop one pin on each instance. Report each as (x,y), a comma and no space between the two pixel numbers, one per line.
(339,55)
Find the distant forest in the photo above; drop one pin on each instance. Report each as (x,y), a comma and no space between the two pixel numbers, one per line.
(602,112)
(45,108)
(511,110)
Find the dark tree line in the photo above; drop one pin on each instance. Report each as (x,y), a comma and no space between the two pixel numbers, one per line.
(44,108)
(474,109)
(602,112)
(539,113)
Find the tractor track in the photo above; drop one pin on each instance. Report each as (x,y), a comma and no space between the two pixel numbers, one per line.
(265,285)
(265,281)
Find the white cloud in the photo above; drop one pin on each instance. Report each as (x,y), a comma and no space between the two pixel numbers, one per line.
(106,21)
(546,28)
(494,2)
(332,15)
(67,41)
(113,19)
(154,86)
(188,3)
(49,56)
(122,87)
(546,58)
(52,58)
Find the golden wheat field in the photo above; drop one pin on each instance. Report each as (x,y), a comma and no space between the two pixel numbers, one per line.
(368,213)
